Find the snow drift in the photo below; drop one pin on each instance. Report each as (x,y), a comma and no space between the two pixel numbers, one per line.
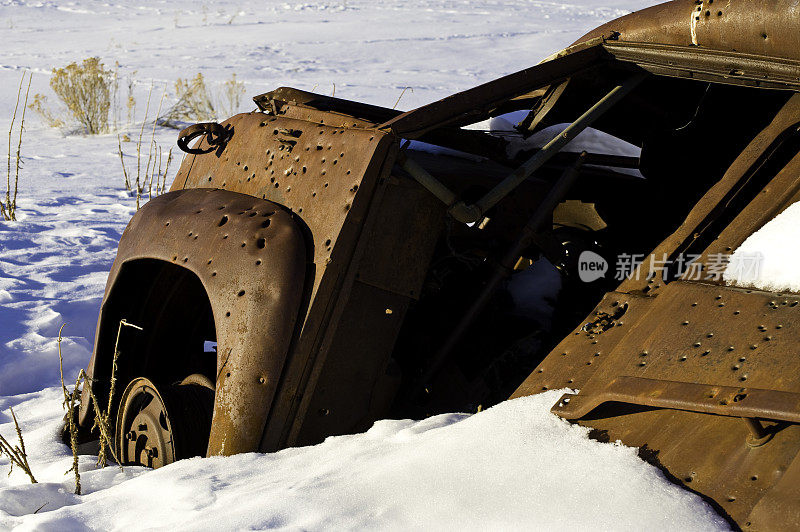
(514,466)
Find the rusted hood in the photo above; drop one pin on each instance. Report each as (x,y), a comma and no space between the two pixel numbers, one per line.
(762,27)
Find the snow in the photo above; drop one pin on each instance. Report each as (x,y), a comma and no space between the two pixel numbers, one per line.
(764,260)
(513,466)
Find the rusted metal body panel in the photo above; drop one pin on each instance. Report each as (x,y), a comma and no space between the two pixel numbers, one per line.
(757,27)
(250,257)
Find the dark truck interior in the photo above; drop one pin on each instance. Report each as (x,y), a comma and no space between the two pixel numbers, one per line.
(689,133)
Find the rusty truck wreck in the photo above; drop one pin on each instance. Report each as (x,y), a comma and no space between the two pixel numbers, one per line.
(352,262)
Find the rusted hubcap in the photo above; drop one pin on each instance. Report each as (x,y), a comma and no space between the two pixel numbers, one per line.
(155,429)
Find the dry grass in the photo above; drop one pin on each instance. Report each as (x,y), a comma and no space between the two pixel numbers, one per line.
(85,89)
(194,102)
(16,453)
(8,209)
(102,419)
(69,404)
(151,178)
(231,96)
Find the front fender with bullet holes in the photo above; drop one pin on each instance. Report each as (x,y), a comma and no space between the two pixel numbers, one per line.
(249,257)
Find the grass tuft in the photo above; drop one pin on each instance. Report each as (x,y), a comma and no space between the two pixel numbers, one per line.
(16,453)
(8,209)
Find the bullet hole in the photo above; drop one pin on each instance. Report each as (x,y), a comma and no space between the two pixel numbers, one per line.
(222,221)
(261,243)
(228,315)
(240,294)
(265,224)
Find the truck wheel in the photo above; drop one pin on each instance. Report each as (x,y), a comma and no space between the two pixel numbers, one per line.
(157,427)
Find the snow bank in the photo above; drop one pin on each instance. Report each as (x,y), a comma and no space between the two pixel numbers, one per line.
(513,466)
(769,258)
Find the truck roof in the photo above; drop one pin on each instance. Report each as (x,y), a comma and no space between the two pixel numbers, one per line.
(761,27)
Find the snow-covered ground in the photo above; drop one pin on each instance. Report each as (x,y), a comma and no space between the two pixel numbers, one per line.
(513,466)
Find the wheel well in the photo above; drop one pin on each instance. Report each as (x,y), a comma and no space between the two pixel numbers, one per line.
(173,309)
